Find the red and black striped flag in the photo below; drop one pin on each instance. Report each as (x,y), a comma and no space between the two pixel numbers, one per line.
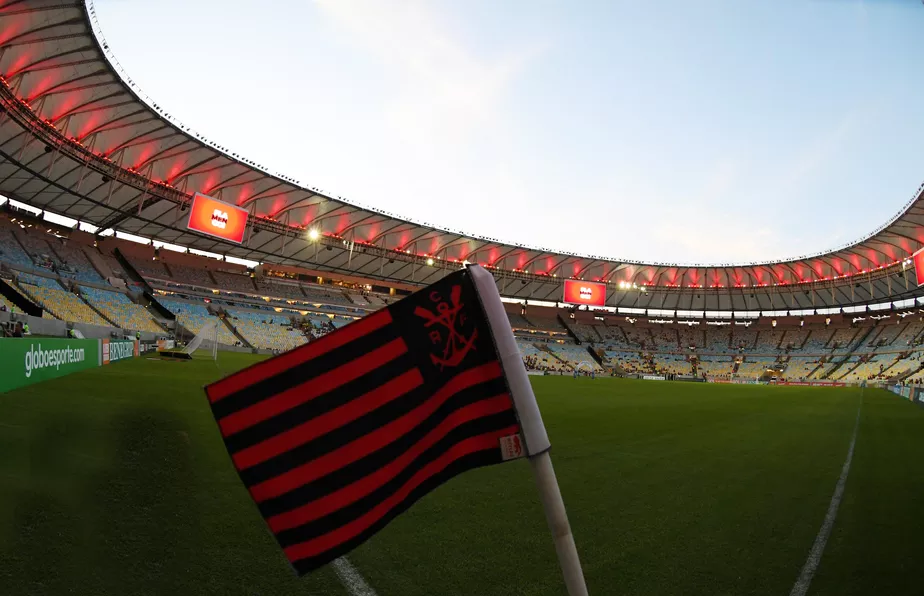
(337,437)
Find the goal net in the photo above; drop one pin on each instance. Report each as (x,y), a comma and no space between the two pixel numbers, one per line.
(206,341)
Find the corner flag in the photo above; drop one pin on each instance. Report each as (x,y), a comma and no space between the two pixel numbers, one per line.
(336,438)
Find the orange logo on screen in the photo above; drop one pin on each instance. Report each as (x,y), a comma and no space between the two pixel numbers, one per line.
(215,218)
(585,292)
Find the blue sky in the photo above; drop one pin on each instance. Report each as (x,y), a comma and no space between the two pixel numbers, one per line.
(689,131)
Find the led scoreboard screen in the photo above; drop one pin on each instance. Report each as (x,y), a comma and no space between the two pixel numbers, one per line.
(215,218)
(585,292)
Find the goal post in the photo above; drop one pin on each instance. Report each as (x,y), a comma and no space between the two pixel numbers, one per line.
(206,341)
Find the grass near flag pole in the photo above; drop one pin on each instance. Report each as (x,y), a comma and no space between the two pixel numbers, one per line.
(534,433)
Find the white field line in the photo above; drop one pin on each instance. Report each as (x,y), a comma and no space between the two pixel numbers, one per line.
(351,579)
(818,549)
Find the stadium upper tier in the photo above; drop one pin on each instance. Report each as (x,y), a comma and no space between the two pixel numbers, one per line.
(78,138)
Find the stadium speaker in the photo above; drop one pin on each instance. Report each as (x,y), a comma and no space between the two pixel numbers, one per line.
(47,148)
(330,248)
(105,179)
(390,261)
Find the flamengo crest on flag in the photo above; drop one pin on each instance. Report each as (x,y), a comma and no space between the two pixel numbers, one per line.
(336,438)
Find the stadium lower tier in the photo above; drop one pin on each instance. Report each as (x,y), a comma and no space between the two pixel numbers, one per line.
(119,309)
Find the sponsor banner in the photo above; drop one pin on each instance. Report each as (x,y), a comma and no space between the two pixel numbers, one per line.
(165,344)
(689,379)
(653,378)
(735,381)
(216,218)
(25,361)
(115,350)
(918,396)
(584,292)
(811,383)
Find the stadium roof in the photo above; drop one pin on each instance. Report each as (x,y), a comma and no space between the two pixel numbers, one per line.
(78,138)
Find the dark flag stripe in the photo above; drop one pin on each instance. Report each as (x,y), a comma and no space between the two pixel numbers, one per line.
(319,545)
(320,385)
(377,439)
(269,368)
(475,460)
(452,430)
(350,473)
(351,390)
(305,372)
(333,419)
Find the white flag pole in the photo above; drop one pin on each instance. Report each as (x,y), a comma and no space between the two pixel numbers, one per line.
(534,434)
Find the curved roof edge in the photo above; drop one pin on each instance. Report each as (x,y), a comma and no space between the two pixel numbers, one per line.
(114,63)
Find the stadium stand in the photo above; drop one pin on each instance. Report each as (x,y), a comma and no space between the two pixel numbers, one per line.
(272,332)
(193,276)
(234,282)
(814,343)
(573,355)
(800,368)
(639,338)
(118,308)
(586,333)
(690,338)
(194,316)
(715,366)
(754,367)
(518,322)
(666,338)
(10,249)
(545,319)
(718,340)
(74,262)
(536,359)
(147,267)
(56,300)
(283,290)
(324,296)
(744,339)
(671,364)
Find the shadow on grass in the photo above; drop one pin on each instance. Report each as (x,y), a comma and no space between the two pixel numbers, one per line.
(122,524)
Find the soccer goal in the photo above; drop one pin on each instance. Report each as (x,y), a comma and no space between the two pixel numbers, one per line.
(206,341)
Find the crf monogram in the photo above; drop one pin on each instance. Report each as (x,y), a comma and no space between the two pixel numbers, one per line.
(447,328)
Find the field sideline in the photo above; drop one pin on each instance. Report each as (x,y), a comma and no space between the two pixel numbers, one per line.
(115,481)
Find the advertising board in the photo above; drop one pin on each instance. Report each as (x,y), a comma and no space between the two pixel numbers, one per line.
(24,361)
(216,218)
(588,293)
(115,350)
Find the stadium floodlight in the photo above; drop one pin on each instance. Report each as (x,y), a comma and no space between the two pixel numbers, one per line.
(430,261)
(313,234)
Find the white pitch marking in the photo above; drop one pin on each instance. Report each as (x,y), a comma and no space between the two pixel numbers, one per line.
(818,549)
(351,578)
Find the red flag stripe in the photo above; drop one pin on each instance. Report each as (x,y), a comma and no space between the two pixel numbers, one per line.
(373,441)
(311,389)
(354,528)
(269,368)
(359,489)
(348,412)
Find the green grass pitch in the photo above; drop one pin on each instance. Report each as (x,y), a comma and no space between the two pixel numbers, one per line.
(115,481)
